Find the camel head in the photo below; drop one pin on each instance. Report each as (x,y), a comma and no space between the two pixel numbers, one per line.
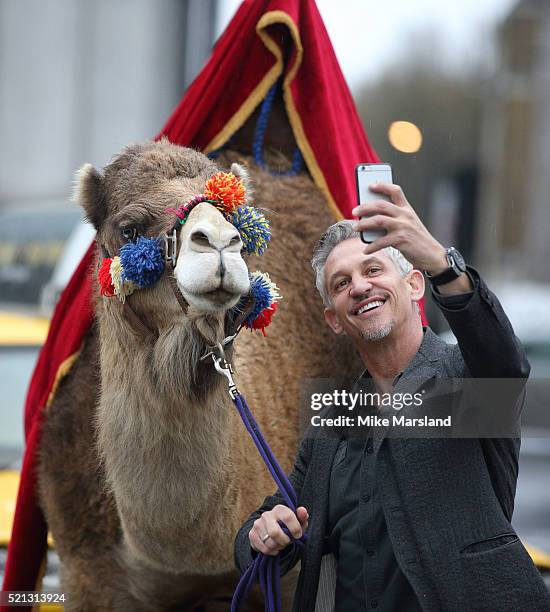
(131,199)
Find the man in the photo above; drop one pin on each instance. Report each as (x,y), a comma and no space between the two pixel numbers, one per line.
(413,524)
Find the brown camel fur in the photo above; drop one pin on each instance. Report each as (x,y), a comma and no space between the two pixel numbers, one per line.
(146,472)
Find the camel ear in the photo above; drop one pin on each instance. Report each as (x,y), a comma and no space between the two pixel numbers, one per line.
(242,173)
(89,193)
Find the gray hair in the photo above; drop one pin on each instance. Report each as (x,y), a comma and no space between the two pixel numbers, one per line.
(335,234)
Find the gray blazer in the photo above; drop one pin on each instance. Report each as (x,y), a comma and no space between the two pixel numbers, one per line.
(448,503)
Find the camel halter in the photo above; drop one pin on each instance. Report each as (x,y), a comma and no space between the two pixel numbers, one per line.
(141,262)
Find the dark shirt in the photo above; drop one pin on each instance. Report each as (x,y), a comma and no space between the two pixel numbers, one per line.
(368,576)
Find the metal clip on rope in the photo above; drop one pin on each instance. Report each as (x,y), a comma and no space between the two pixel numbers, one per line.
(224,368)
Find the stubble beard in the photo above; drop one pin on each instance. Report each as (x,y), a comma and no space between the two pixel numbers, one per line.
(378,333)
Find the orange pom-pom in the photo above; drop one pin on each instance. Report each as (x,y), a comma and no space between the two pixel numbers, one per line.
(227,189)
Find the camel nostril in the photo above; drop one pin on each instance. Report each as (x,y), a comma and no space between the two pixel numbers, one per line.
(200,238)
(218,238)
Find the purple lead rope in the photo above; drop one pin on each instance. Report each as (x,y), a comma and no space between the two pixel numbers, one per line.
(265,568)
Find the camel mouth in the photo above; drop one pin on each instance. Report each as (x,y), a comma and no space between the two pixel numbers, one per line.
(215,300)
(219,296)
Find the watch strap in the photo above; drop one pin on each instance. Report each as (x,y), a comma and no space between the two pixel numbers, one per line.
(454,270)
(448,275)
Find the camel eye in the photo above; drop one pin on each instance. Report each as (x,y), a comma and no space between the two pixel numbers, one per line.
(129,233)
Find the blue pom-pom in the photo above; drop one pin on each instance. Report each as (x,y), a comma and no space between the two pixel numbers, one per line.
(264,291)
(253,228)
(142,261)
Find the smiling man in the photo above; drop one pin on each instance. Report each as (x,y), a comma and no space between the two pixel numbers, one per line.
(405,523)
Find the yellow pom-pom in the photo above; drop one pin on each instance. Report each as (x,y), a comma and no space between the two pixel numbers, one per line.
(226,189)
(122,288)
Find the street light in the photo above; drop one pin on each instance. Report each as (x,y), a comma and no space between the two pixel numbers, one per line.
(405,136)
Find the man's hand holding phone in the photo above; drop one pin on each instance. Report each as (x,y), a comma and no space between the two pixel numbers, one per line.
(404,229)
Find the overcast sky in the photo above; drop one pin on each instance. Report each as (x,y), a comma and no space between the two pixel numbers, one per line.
(368,35)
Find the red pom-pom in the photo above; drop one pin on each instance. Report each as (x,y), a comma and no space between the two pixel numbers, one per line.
(264,318)
(106,287)
(227,189)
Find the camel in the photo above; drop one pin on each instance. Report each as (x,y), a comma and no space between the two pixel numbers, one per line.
(146,471)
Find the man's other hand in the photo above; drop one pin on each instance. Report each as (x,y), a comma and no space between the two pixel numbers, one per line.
(267,537)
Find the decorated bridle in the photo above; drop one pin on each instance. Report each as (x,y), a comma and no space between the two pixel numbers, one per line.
(141,262)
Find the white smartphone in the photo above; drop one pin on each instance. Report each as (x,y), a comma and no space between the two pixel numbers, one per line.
(368,174)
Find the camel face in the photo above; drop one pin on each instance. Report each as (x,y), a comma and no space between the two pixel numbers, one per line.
(130,197)
(210,272)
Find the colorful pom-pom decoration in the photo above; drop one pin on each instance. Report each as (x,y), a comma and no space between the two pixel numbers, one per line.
(226,191)
(266,296)
(264,318)
(110,279)
(123,288)
(253,228)
(142,261)
(106,287)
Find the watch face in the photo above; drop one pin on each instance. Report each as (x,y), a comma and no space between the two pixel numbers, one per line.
(457,259)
